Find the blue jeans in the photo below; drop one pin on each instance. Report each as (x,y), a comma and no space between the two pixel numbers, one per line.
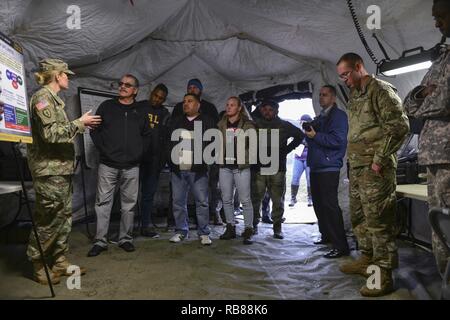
(229,178)
(149,185)
(181,184)
(300,167)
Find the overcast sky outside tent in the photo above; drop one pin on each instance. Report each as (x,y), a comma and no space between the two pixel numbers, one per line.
(294,109)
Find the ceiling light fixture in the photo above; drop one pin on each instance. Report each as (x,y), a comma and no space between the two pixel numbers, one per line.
(411,60)
(407,63)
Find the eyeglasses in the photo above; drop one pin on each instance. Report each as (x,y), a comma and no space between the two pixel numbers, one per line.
(126,84)
(345,75)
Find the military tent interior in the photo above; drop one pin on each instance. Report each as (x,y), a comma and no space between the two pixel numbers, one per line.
(235,47)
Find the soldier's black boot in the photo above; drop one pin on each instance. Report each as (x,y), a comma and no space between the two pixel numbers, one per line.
(277,234)
(230,232)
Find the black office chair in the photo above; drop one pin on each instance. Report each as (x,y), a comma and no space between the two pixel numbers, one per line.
(440,223)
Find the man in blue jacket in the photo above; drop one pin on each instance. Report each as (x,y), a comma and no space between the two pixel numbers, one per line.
(327,142)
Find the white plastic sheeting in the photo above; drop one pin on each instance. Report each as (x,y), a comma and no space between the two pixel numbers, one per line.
(292,269)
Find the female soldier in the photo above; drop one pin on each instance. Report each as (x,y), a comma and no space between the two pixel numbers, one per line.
(51,162)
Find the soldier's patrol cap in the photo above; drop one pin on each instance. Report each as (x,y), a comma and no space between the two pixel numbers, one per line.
(54,65)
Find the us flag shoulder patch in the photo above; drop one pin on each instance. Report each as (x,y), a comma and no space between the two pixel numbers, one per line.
(41,105)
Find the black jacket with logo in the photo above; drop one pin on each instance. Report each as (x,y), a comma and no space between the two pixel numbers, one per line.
(158,120)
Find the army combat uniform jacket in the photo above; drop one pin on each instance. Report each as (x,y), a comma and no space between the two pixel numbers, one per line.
(51,162)
(378,125)
(52,151)
(434,143)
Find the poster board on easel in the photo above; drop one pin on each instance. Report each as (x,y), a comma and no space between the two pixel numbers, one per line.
(90,100)
(15,124)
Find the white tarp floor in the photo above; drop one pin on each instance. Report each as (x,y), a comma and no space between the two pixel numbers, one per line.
(269,269)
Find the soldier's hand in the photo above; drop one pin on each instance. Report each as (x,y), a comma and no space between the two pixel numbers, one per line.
(90,120)
(376,168)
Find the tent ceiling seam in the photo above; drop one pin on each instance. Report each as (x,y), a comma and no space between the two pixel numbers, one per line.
(246,36)
(172,66)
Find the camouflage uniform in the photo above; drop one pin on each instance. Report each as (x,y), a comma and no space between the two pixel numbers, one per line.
(434,143)
(51,162)
(378,127)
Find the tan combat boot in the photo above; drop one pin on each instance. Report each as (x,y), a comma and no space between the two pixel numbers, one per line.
(387,285)
(40,276)
(60,267)
(358,266)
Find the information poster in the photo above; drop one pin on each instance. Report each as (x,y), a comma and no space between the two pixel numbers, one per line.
(15,123)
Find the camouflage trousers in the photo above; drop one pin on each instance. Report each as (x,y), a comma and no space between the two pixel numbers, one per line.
(373,213)
(52,216)
(276,185)
(439,197)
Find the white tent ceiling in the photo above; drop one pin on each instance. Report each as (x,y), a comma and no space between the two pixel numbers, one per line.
(233,46)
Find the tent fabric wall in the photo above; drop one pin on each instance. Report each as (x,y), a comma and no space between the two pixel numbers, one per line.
(233,46)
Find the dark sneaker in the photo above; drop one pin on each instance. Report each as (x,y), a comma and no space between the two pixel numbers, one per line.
(96,250)
(321,241)
(127,246)
(266,219)
(149,233)
(230,232)
(335,253)
(170,228)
